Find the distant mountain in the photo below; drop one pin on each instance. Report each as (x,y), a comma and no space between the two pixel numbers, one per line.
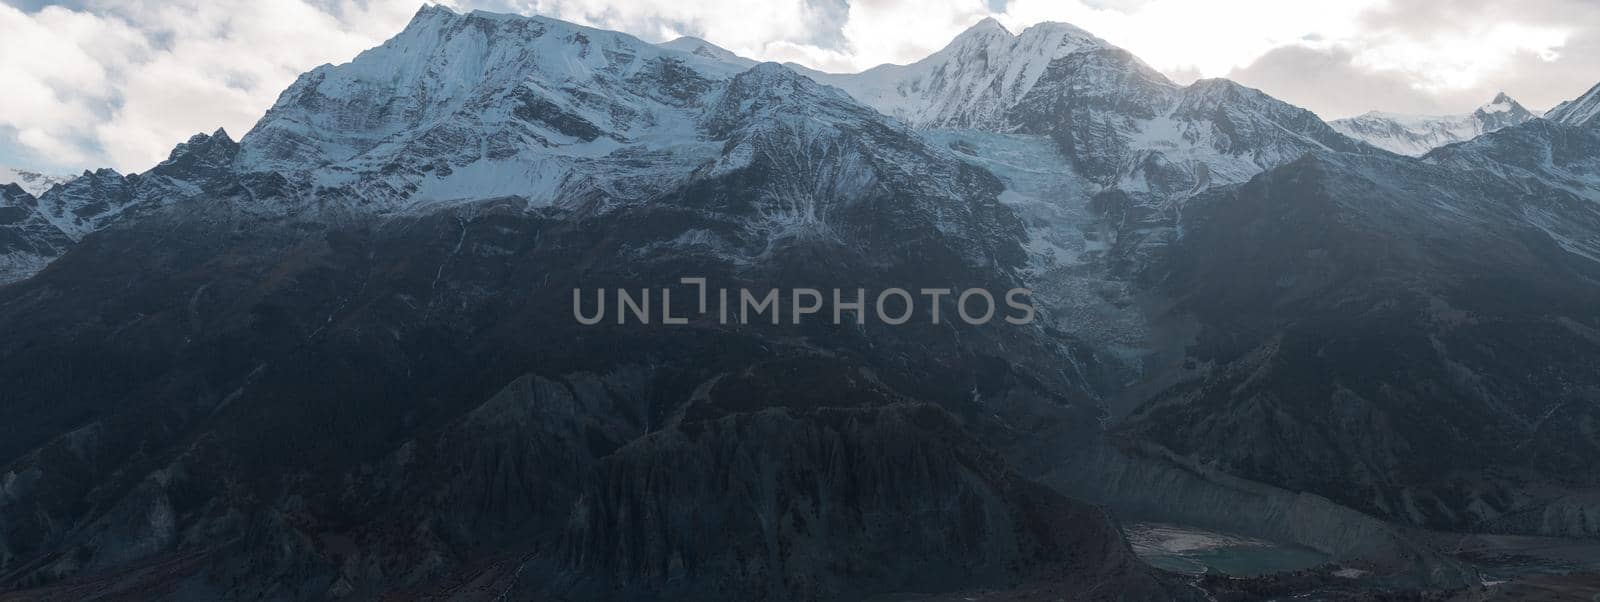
(32,182)
(1416,135)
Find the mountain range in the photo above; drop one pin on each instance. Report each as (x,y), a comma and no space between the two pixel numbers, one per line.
(1416,135)
(336,358)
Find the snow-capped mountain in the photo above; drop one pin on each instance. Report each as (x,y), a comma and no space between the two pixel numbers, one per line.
(32,182)
(337,358)
(1105,134)
(463,107)
(74,208)
(482,104)
(1415,135)
(1120,123)
(973,81)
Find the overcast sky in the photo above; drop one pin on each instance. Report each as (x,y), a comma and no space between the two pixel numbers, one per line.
(92,83)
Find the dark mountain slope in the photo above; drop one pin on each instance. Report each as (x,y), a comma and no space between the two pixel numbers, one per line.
(1405,339)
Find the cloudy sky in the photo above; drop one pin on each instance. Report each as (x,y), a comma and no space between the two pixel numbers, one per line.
(92,83)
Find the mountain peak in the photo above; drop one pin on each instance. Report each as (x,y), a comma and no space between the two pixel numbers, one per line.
(987,26)
(202,153)
(702,48)
(1059,28)
(1501,104)
(429,13)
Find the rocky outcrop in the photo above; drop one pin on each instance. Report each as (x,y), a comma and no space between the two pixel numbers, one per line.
(831,504)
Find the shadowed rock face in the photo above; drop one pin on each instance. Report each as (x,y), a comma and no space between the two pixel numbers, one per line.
(1418,355)
(833,503)
(305,413)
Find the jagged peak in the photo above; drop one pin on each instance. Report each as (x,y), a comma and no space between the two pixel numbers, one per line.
(429,8)
(1502,103)
(433,23)
(427,14)
(101,173)
(202,140)
(198,138)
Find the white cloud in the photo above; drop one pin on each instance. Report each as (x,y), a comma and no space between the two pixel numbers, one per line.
(57,66)
(1458,59)
(119,82)
(902,31)
(747,28)
(1207,39)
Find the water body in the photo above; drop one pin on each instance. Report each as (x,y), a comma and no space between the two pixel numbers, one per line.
(1194,551)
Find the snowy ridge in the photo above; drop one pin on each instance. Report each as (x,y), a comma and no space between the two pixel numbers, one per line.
(36,230)
(99,198)
(1542,151)
(1583,111)
(1415,135)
